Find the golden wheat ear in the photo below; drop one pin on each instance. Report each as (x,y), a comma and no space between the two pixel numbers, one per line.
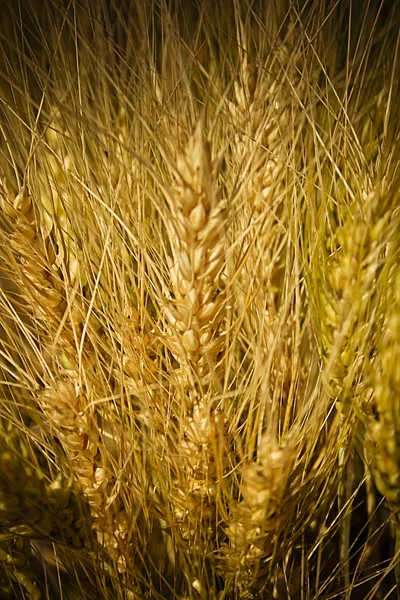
(196,232)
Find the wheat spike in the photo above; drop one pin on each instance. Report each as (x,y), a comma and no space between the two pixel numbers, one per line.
(196,235)
(382,451)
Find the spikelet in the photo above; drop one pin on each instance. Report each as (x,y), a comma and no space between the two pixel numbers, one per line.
(260,148)
(141,347)
(196,318)
(267,96)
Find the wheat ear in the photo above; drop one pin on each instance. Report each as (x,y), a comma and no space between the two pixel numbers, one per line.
(196,229)
(42,286)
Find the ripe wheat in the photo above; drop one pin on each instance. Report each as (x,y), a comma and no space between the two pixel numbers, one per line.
(199,303)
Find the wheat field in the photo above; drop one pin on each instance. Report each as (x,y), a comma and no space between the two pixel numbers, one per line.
(199,300)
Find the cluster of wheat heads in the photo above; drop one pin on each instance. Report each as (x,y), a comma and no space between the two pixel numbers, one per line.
(199,301)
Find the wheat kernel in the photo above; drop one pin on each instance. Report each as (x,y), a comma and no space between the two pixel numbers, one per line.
(190,341)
